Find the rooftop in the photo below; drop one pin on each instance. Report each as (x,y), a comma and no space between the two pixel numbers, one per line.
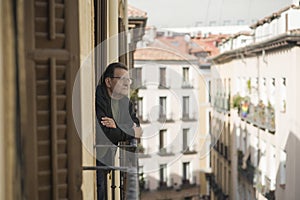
(136,13)
(159,50)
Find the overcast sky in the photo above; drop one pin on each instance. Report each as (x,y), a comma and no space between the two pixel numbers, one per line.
(189,13)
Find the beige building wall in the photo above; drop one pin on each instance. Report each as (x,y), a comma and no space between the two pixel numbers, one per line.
(204,136)
(2,159)
(85,84)
(8,185)
(297,128)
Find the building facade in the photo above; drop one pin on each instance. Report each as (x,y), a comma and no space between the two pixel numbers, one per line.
(254,94)
(172,155)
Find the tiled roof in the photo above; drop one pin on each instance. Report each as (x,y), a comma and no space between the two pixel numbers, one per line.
(175,42)
(207,45)
(136,13)
(160,51)
(177,48)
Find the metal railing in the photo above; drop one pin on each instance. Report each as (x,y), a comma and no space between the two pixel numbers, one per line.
(222,103)
(128,168)
(260,116)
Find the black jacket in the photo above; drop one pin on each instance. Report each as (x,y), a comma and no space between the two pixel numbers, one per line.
(127,117)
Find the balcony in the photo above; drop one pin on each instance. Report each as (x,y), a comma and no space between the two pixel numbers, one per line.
(162,185)
(226,156)
(142,151)
(222,103)
(189,151)
(165,152)
(186,85)
(216,188)
(187,118)
(248,172)
(127,167)
(259,115)
(142,120)
(163,118)
(222,149)
(142,183)
(187,184)
(163,86)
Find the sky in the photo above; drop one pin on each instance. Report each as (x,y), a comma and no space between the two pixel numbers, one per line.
(190,13)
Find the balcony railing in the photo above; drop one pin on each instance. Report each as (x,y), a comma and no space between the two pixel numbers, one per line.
(143,120)
(163,185)
(186,117)
(249,172)
(144,185)
(216,188)
(127,168)
(189,150)
(165,152)
(163,118)
(142,152)
(187,85)
(222,149)
(259,115)
(222,103)
(187,184)
(226,152)
(163,86)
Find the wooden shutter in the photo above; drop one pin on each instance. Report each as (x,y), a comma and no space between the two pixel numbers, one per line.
(52,149)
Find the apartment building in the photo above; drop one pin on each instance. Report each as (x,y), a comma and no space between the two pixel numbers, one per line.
(172,98)
(254,117)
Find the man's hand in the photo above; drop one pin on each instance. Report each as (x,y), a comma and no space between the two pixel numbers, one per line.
(137,131)
(108,122)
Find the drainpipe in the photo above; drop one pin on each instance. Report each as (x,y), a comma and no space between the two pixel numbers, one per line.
(264,56)
(243,58)
(113,21)
(258,77)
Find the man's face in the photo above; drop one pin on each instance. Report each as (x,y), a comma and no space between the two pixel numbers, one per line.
(119,84)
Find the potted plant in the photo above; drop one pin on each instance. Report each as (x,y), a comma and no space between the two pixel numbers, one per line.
(236,101)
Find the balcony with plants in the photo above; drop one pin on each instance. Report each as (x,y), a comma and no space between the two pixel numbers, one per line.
(260,115)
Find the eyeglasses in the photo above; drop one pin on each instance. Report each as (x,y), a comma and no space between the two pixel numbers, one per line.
(123,79)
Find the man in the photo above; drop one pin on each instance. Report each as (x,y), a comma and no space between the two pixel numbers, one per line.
(116,118)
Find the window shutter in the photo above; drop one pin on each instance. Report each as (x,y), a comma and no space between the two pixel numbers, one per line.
(52,149)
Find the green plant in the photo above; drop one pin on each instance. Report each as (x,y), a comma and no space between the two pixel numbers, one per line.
(249,85)
(134,95)
(140,148)
(236,101)
(284,105)
(270,105)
